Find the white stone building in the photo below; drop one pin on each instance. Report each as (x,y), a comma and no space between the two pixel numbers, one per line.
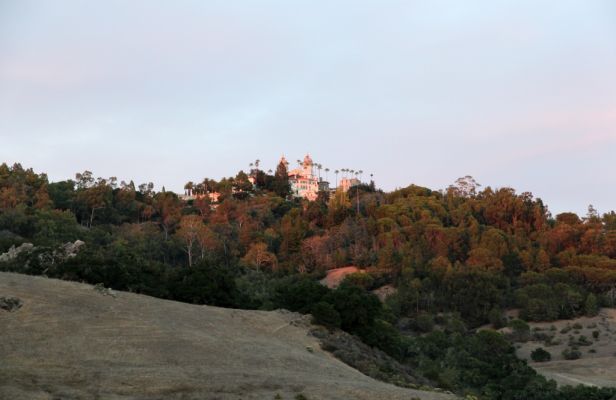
(304,182)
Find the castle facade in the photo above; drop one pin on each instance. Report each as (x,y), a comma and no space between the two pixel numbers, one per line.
(304,182)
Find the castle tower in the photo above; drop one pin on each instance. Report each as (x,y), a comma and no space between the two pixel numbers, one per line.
(307,166)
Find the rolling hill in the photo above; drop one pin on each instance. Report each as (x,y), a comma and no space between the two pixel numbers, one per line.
(76,341)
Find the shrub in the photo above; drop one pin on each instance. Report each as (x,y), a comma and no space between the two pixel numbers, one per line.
(299,295)
(357,308)
(455,325)
(361,279)
(325,314)
(583,341)
(424,322)
(520,331)
(540,355)
(497,318)
(571,354)
(591,306)
(595,334)
(577,326)
(204,283)
(580,341)
(541,336)
(566,329)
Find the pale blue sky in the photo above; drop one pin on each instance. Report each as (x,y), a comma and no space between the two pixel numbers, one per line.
(515,93)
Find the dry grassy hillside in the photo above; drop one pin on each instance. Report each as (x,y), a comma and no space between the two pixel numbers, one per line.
(597,365)
(71,341)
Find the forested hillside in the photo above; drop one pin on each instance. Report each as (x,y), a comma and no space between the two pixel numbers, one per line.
(458,258)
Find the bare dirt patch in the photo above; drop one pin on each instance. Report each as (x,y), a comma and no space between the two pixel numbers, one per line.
(335,276)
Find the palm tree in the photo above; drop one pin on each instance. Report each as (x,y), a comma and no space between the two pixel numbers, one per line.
(336,172)
(319,166)
(269,171)
(257,162)
(327,174)
(188,188)
(360,174)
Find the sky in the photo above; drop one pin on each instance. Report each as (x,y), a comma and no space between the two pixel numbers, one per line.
(517,94)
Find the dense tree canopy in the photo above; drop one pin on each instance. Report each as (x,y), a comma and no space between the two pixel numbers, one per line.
(460,251)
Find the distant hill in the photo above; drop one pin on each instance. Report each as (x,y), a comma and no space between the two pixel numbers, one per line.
(77,341)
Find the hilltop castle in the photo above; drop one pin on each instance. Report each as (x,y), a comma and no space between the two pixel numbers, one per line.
(305,181)
(307,184)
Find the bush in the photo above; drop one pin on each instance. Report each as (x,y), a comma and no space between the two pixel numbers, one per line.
(591,306)
(205,283)
(571,354)
(497,318)
(580,341)
(595,334)
(540,355)
(455,325)
(520,331)
(361,279)
(424,323)
(299,295)
(541,336)
(583,341)
(357,308)
(325,314)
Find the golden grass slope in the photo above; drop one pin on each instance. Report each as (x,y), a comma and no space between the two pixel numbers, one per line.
(70,341)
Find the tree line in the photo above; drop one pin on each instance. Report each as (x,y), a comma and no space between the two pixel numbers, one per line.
(462,255)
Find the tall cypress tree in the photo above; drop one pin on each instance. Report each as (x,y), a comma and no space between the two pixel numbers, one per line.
(281,181)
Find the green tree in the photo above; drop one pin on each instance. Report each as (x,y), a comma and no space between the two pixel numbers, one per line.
(281,183)
(540,355)
(591,307)
(325,314)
